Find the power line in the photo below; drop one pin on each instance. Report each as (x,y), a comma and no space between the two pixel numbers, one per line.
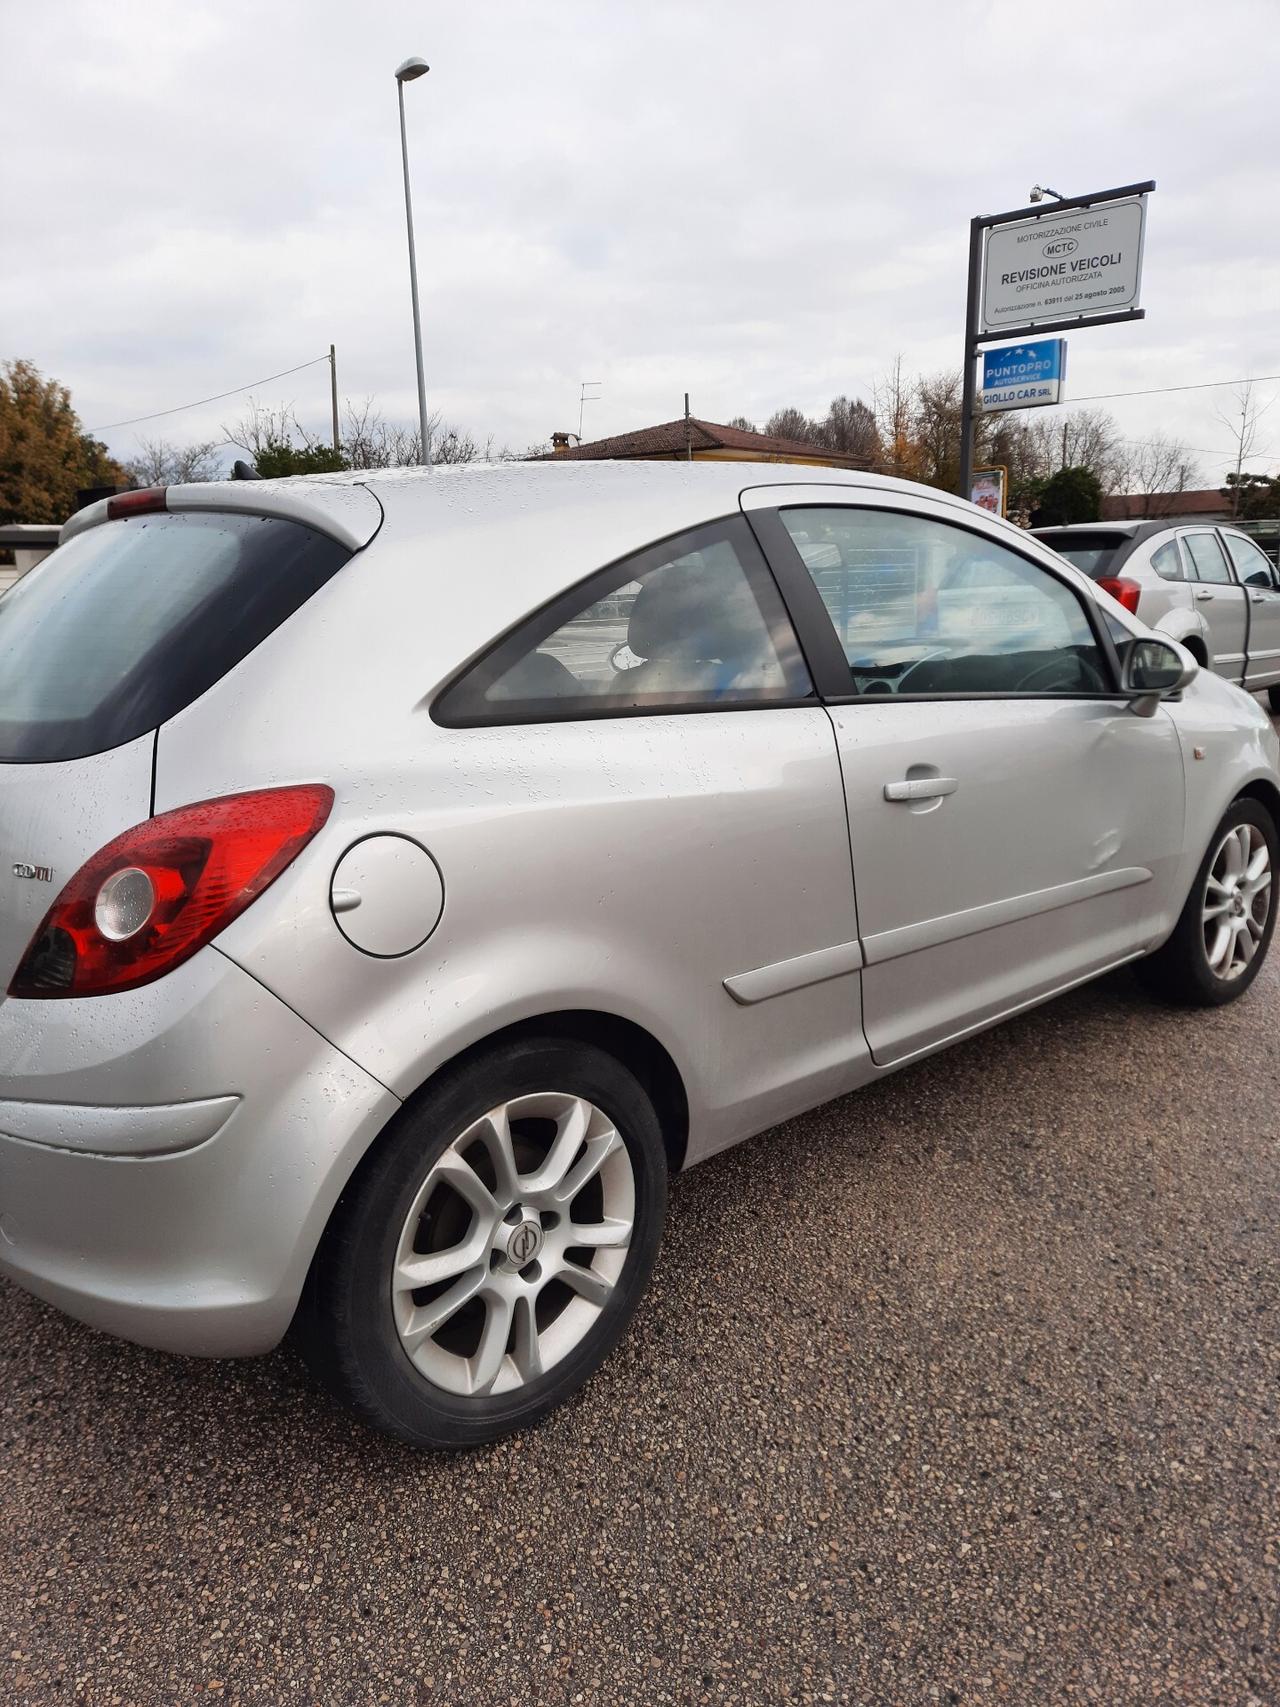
(134,420)
(1161,390)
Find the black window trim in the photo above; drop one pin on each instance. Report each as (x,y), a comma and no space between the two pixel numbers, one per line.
(500,652)
(828,664)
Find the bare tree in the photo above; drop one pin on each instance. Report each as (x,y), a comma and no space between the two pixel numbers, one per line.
(893,399)
(1157,471)
(1242,423)
(743,425)
(850,427)
(159,463)
(260,428)
(792,423)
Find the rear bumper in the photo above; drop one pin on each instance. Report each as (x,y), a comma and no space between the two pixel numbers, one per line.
(169,1157)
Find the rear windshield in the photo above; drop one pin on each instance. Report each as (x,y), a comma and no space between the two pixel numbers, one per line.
(1092,553)
(130,621)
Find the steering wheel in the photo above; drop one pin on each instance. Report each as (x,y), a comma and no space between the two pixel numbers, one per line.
(900,686)
(1073,675)
(619,649)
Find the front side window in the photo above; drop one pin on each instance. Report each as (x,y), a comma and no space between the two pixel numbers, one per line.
(695,622)
(923,607)
(1206,555)
(1252,565)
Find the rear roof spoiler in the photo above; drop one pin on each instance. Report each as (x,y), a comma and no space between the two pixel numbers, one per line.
(345,510)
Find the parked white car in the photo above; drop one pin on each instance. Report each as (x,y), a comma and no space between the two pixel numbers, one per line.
(1209,588)
(402,874)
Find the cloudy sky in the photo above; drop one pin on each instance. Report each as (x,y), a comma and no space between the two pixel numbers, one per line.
(756,202)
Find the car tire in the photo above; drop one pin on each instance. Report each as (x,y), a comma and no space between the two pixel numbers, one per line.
(1184,970)
(1273,698)
(414,1209)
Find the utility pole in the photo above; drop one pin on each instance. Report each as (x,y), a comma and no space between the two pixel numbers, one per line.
(333,387)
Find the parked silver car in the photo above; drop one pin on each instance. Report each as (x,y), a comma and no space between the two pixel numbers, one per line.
(1209,588)
(400,875)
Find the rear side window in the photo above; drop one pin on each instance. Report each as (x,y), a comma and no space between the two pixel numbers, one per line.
(694,622)
(1166,562)
(130,621)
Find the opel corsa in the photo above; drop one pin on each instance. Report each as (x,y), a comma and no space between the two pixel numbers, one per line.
(402,875)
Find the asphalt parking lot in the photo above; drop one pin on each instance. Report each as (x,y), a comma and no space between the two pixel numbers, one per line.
(962,1390)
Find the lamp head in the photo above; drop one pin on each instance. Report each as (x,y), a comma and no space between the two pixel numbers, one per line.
(411,68)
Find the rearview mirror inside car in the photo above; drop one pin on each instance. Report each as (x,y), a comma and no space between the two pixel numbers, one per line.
(1153,670)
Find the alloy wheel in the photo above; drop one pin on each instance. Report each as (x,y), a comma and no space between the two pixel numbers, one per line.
(1237,900)
(513,1244)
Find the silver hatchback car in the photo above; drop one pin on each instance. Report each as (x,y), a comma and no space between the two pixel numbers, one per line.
(401,875)
(1208,587)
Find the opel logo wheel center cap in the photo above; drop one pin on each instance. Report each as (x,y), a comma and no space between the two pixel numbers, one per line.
(524,1244)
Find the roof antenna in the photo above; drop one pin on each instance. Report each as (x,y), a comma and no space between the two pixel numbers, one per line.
(583,399)
(688,431)
(241,470)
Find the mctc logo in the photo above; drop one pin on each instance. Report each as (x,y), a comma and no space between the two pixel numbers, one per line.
(1060,246)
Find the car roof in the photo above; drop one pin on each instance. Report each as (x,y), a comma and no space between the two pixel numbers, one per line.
(441,497)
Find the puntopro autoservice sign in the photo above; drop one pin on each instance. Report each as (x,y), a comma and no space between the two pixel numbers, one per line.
(1056,265)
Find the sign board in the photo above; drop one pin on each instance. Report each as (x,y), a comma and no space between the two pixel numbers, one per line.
(986,489)
(1064,262)
(1024,376)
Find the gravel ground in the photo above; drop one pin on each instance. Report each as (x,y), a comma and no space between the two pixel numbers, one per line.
(961,1390)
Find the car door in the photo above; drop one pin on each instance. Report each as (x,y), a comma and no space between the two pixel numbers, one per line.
(1262,590)
(1014,827)
(1220,600)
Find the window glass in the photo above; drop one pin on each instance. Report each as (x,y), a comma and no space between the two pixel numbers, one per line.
(1166,561)
(924,607)
(131,620)
(694,622)
(1206,555)
(1252,565)
(1091,553)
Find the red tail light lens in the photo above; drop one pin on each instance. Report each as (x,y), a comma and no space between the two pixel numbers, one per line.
(159,892)
(144,501)
(1122,588)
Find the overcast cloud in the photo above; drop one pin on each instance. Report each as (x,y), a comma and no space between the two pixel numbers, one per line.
(758,203)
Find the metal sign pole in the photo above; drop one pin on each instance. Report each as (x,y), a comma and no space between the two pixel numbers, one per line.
(976,332)
(970,357)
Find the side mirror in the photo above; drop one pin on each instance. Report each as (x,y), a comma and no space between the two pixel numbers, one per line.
(1152,671)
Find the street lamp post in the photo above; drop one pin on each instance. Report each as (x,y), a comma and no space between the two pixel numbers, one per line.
(405,74)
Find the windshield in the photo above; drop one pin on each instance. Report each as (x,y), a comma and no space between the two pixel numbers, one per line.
(1091,553)
(130,621)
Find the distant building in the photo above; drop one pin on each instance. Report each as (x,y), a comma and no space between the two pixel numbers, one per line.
(700,441)
(26,543)
(1206,505)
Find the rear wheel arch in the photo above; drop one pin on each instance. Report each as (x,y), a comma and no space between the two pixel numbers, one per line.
(630,1044)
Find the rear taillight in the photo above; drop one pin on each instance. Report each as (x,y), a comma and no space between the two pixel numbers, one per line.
(145,501)
(1124,590)
(162,890)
